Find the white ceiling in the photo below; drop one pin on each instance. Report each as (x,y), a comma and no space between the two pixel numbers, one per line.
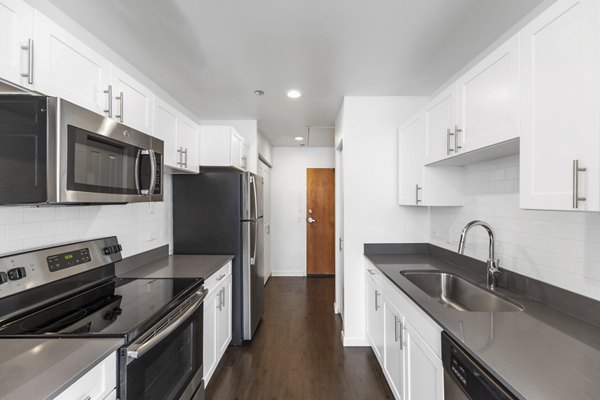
(212,54)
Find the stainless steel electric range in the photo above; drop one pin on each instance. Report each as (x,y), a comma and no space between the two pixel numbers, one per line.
(72,291)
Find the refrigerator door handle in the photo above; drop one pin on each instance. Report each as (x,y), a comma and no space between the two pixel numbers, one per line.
(255,218)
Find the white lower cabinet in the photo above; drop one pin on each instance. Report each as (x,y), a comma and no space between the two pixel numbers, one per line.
(424,371)
(394,362)
(217,319)
(375,312)
(405,340)
(97,384)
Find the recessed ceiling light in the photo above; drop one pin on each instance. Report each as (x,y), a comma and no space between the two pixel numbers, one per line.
(259,92)
(294,94)
(299,138)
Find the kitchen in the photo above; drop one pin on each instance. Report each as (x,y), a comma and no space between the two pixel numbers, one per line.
(484,112)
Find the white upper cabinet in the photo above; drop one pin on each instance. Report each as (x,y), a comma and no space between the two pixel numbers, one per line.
(65,67)
(419,185)
(188,144)
(223,146)
(560,108)
(180,135)
(440,123)
(132,102)
(166,123)
(16,42)
(489,100)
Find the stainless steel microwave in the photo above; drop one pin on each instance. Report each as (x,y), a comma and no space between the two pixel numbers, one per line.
(53,151)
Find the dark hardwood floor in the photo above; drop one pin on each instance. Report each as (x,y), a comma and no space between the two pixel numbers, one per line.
(297,352)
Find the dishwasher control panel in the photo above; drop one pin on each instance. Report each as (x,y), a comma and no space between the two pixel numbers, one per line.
(469,375)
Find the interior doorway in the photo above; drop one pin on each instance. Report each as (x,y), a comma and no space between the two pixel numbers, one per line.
(320,221)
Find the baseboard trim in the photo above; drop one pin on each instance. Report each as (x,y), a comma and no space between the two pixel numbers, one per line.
(288,273)
(356,341)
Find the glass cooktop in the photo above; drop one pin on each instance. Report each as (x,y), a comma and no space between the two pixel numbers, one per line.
(120,307)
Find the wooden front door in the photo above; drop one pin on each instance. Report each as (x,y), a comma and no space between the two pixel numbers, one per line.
(320,221)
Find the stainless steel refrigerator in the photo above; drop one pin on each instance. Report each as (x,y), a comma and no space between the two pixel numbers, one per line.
(222,213)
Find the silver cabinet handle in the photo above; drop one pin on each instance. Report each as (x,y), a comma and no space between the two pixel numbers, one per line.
(341,243)
(576,170)
(448,148)
(108,110)
(219,304)
(180,162)
(223,297)
(376,302)
(29,74)
(87,398)
(371,271)
(121,99)
(457,132)
(417,188)
(221,277)
(398,326)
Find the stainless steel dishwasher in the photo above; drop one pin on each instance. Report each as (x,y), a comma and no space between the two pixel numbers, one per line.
(465,379)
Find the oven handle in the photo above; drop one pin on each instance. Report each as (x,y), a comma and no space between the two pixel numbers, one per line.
(138,349)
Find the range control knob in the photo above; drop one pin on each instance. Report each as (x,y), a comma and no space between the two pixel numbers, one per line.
(108,250)
(3,278)
(113,315)
(16,273)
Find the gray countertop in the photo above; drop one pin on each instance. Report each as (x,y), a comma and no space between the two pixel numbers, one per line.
(540,353)
(42,368)
(179,266)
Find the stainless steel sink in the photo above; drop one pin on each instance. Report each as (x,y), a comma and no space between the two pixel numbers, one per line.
(455,292)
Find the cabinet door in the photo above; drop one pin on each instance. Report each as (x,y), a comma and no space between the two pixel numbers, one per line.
(209,362)
(188,138)
(96,384)
(67,68)
(16,29)
(560,107)
(236,150)
(224,330)
(375,317)
(245,152)
(440,117)
(166,122)
(425,372)
(133,103)
(488,99)
(394,359)
(411,158)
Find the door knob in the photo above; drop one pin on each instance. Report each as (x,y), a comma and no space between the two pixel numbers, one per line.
(311,220)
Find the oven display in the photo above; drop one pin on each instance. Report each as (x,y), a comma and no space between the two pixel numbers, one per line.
(65,260)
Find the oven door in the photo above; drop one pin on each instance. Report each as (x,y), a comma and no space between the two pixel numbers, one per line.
(166,362)
(103,161)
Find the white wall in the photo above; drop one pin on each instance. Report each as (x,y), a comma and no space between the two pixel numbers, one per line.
(288,205)
(371,212)
(558,247)
(139,226)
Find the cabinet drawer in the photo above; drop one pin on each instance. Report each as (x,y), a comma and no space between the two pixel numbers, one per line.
(218,277)
(96,384)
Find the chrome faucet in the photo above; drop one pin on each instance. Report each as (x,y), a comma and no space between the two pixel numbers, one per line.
(492,264)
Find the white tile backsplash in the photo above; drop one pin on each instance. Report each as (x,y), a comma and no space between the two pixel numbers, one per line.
(139,226)
(558,247)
